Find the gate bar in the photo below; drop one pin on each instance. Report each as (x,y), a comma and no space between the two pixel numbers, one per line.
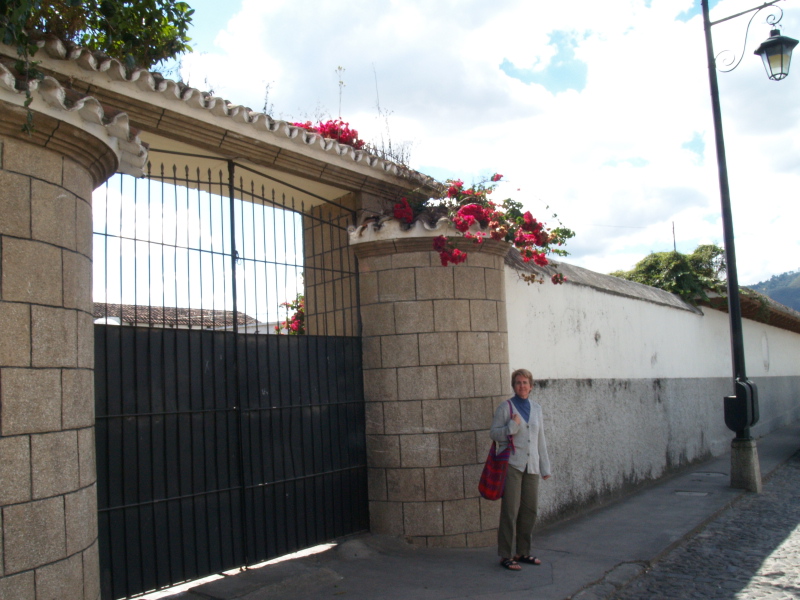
(237,392)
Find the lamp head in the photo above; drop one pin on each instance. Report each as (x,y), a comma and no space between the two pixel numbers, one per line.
(776,52)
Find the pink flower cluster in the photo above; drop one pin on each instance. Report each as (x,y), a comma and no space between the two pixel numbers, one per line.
(503,221)
(468,215)
(335,129)
(530,235)
(296,323)
(403,211)
(447,252)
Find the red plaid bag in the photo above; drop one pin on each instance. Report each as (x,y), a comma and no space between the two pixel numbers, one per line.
(493,478)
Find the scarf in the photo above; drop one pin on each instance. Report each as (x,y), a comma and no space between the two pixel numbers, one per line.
(523,407)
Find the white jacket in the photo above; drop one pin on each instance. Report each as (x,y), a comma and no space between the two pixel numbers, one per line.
(529,441)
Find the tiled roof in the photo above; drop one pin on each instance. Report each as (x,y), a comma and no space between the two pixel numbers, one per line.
(755,306)
(170,316)
(48,95)
(759,307)
(188,101)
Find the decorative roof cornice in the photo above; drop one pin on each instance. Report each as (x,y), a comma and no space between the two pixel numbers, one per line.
(49,98)
(386,235)
(755,306)
(607,284)
(108,80)
(387,228)
(759,307)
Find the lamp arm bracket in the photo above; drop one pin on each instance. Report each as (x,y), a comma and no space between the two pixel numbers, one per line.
(724,64)
(744,12)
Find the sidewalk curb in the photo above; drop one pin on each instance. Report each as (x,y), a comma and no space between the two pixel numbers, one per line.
(625,573)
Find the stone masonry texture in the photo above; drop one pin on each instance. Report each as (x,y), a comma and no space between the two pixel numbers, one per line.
(48,499)
(435,366)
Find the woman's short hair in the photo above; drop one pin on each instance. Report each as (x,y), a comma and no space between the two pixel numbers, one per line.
(525,373)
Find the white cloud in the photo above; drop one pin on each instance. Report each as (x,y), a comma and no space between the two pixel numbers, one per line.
(608,158)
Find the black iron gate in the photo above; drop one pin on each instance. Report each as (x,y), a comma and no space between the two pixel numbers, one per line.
(219,444)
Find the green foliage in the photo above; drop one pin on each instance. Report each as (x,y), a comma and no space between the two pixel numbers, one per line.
(688,275)
(14,15)
(138,33)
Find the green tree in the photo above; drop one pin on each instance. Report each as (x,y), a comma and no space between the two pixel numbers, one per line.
(139,33)
(688,275)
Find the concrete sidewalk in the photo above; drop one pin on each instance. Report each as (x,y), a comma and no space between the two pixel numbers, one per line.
(585,558)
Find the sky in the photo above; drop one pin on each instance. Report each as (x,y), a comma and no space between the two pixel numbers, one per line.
(599,112)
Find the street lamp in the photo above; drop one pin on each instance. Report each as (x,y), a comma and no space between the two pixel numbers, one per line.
(741,409)
(776,52)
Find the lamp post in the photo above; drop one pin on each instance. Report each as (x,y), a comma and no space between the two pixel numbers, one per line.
(741,409)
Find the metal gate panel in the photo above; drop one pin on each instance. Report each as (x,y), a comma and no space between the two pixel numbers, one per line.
(218,445)
(303,444)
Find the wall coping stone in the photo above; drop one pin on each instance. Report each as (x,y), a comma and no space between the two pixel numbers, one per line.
(390,236)
(62,118)
(177,111)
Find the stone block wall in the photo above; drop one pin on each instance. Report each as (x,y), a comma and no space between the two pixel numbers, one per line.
(435,360)
(329,270)
(48,501)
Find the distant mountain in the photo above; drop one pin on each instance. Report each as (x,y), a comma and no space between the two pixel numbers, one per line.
(783,288)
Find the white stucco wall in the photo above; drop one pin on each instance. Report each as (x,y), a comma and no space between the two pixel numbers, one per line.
(578,332)
(632,379)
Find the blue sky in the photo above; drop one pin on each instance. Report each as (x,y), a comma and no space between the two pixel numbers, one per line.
(599,110)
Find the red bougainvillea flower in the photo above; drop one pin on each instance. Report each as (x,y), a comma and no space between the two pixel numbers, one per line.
(439,243)
(294,324)
(558,278)
(540,238)
(403,211)
(470,214)
(469,207)
(335,129)
(477,212)
(454,256)
(448,254)
(462,224)
(455,188)
(530,224)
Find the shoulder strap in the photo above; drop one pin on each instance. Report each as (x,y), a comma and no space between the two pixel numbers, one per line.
(511,437)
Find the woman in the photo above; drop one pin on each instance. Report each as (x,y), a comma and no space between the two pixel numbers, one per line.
(521,418)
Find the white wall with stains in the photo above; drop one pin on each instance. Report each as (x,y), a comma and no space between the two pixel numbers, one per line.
(631,380)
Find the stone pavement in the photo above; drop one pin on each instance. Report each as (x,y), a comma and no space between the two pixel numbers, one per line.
(682,533)
(751,551)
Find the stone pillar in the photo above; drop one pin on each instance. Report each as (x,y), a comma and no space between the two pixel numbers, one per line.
(435,355)
(48,500)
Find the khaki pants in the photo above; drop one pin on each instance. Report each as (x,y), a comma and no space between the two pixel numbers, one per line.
(518,510)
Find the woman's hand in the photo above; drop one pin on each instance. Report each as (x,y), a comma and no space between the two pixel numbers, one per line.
(517,419)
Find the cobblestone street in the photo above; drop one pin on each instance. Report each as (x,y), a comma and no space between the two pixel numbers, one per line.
(750,552)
